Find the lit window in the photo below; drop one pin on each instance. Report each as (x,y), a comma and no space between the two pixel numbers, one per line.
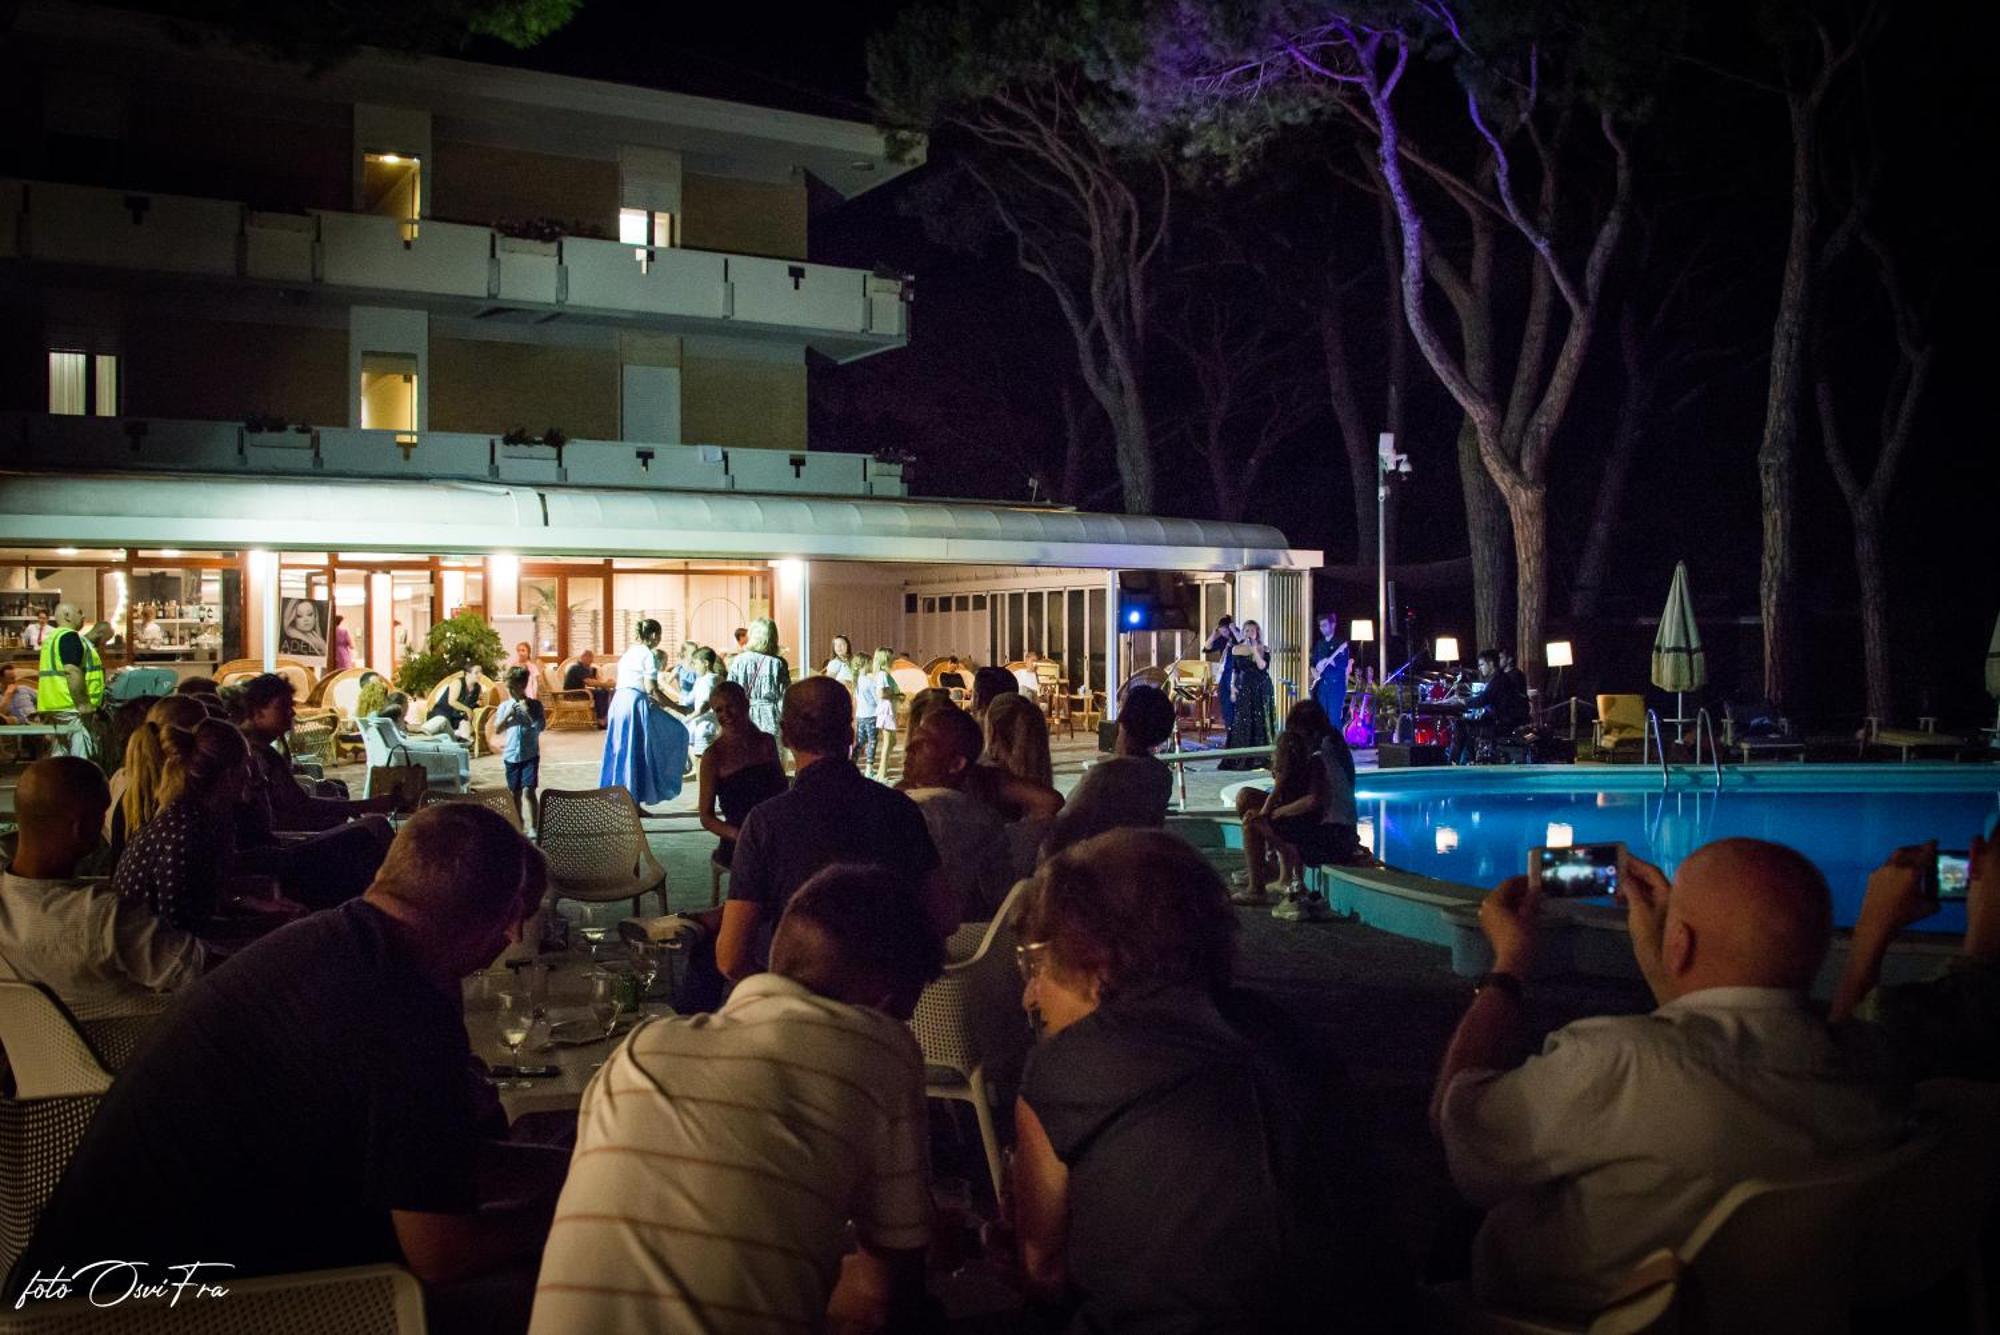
(82,384)
(388,392)
(645,227)
(392,185)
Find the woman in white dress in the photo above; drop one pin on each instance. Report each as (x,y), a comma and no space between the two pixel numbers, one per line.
(645,746)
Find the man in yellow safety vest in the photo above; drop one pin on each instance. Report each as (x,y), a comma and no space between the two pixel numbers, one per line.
(72,675)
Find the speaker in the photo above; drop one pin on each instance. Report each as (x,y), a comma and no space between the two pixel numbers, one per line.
(1396,755)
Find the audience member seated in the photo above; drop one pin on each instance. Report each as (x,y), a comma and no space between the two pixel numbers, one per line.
(1017,762)
(371,695)
(833,813)
(1131,788)
(1186,1160)
(923,702)
(1947,1026)
(135,787)
(452,711)
(582,676)
(1621,1134)
(971,838)
(719,1160)
(344,840)
(1027,678)
(739,770)
(102,955)
(17,696)
(1307,819)
(314,1104)
(197,686)
(988,685)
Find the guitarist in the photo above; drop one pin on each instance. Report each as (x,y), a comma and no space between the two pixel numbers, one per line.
(1328,682)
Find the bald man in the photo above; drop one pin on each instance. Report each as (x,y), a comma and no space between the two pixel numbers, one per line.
(1619,1136)
(101,955)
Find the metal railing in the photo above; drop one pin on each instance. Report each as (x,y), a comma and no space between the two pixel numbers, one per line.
(1704,722)
(1654,735)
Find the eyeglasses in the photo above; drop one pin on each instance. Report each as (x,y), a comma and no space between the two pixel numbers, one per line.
(1031,959)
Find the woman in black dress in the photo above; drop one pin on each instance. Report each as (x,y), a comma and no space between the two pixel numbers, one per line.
(1250,684)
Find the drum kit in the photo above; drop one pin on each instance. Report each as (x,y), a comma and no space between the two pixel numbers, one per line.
(1439,709)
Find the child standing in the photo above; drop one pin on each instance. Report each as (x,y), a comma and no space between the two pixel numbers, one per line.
(867,696)
(887,694)
(521,720)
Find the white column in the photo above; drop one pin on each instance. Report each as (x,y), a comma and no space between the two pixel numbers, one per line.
(503,587)
(382,622)
(1113,670)
(264,573)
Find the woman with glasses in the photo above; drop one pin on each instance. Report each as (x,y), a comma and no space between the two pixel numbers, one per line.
(1184,1157)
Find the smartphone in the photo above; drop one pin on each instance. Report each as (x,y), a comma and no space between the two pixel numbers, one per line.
(1954,871)
(505,1072)
(1577,872)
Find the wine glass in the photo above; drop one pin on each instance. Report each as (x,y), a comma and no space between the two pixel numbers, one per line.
(604,1006)
(515,1013)
(646,967)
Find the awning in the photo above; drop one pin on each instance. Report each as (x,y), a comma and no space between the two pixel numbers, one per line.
(190,511)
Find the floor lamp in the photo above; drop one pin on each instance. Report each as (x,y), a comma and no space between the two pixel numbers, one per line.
(1559,655)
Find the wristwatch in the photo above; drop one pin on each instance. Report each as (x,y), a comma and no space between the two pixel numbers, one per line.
(1500,982)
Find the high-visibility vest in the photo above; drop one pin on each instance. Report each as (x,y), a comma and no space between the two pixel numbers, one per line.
(52,689)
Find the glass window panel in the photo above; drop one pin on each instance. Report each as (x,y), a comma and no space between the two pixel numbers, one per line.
(1094,611)
(1017,627)
(1035,605)
(909,603)
(105,400)
(586,616)
(1078,639)
(68,392)
(539,600)
(632,226)
(979,602)
(1053,644)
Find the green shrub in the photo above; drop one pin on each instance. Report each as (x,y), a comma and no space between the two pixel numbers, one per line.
(445,650)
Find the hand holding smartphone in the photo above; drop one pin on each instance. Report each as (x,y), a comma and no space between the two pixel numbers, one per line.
(1581,871)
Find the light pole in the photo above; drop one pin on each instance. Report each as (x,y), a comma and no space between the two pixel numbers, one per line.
(1387,462)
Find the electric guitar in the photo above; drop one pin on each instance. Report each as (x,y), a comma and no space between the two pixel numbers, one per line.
(1319,668)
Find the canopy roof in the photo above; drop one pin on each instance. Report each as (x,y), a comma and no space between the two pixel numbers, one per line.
(192,511)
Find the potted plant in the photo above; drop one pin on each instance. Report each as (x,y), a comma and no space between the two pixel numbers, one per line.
(445,650)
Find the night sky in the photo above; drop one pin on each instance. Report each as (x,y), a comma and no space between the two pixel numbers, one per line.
(974,396)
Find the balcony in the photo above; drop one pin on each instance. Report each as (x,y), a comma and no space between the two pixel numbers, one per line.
(842,313)
(84,445)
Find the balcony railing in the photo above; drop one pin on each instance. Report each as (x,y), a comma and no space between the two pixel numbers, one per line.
(82,445)
(87,225)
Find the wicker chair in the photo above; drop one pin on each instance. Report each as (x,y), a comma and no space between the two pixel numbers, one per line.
(970,1026)
(375,1299)
(303,677)
(499,799)
(566,709)
(596,848)
(489,695)
(58,1079)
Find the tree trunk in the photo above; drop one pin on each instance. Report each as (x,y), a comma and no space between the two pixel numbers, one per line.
(1352,423)
(1131,439)
(1633,414)
(1487,536)
(1527,506)
(1776,466)
(1874,573)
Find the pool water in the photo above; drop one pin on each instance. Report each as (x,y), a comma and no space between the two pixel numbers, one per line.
(1476,834)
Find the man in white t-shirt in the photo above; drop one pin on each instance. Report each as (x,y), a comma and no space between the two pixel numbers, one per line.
(1030,679)
(719,1158)
(102,956)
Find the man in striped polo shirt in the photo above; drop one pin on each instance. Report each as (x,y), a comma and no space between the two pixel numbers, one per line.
(720,1157)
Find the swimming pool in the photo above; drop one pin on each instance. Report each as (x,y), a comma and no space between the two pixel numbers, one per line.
(1472,827)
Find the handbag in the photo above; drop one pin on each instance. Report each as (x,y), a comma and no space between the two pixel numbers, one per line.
(407,781)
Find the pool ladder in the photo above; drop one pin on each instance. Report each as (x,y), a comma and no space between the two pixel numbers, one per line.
(1703,723)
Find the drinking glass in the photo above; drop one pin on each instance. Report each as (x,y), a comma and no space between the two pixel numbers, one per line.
(604,1005)
(514,1015)
(646,965)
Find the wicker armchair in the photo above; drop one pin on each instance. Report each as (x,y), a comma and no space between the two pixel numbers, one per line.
(566,709)
(970,1026)
(596,848)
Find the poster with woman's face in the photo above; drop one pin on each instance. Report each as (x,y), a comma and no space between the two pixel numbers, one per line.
(302,625)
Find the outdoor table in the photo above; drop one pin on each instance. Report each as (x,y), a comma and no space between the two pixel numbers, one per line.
(72,738)
(567,998)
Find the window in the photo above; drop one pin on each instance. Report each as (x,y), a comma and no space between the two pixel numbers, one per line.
(909,603)
(979,602)
(83,384)
(392,185)
(645,228)
(388,391)
(961,603)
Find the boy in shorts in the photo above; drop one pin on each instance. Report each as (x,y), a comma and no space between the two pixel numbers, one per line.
(521,721)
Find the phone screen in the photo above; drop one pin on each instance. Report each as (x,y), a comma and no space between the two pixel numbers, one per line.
(1577,872)
(1954,872)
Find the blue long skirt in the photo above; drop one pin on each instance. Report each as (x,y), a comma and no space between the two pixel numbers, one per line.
(645,749)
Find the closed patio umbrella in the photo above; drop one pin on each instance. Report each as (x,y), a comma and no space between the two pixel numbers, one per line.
(1679,665)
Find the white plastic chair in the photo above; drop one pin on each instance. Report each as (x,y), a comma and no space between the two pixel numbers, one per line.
(58,1080)
(970,1026)
(446,763)
(360,1300)
(596,848)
